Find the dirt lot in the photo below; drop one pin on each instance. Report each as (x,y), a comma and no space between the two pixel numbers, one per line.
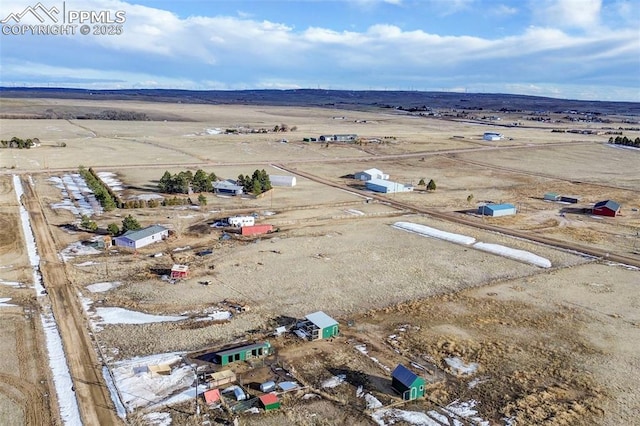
(554,346)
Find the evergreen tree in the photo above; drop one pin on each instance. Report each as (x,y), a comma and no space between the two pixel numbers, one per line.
(129,223)
(113,229)
(431,186)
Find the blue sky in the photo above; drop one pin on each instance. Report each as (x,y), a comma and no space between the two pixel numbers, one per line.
(579,49)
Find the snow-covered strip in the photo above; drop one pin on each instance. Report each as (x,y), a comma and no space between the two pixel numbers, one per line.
(515,254)
(139,387)
(466,409)
(434,233)
(102,287)
(4,304)
(67,401)
(389,416)
(450,415)
(158,419)
(216,316)
(110,179)
(32,251)
(77,249)
(125,316)
(372,401)
(355,212)
(113,392)
(457,365)
(87,263)
(11,283)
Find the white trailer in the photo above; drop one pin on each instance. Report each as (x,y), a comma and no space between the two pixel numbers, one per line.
(240,221)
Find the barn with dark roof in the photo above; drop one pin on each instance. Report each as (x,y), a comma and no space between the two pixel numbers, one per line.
(606,208)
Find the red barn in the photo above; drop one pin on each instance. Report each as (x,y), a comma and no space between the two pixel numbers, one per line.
(606,208)
(256,229)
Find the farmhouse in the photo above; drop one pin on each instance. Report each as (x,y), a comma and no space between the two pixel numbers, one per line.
(228,186)
(277,180)
(492,136)
(606,208)
(317,326)
(371,174)
(496,210)
(386,186)
(142,237)
(407,383)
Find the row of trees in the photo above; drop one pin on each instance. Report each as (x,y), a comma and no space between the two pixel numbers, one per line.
(257,183)
(431,186)
(129,223)
(625,141)
(108,199)
(16,142)
(179,183)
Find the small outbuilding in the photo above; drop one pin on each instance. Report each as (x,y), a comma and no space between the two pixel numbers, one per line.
(370,174)
(551,196)
(572,199)
(386,186)
(280,180)
(256,229)
(318,325)
(228,186)
(212,396)
(270,401)
(606,208)
(238,353)
(142,237)
(497,210)
(407,383)
(221,378)
(179,272)
(492,136)
(240,221)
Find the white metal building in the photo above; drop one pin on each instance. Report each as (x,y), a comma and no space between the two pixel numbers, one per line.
(371,174)
(492,136)
(142,237)
(386,186)
(281,180)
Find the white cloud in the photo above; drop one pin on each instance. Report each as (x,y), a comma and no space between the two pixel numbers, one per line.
(584,14)
(504,10)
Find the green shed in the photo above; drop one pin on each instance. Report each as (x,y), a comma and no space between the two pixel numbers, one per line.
(319,325)
(270,401)
(551,196)
(242,353)
(407,383)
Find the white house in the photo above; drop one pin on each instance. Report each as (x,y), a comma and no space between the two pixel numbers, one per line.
(280,180)
(240,221)
(371,174)
(492,136)
(142,237)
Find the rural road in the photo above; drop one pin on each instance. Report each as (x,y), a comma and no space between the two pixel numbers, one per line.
(94,400)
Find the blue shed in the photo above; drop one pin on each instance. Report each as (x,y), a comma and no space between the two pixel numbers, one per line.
(496,210)
(386,186)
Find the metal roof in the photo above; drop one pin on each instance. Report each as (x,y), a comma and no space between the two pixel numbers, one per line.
(404,375)
(143,233)
(609,204)
(226,184)
(269,398)
(373,172)
(321,320)
(242,348)
(180,268)
(386,183)
(500,206)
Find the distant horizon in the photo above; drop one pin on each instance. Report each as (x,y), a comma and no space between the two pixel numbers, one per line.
(85,89)
(562,49)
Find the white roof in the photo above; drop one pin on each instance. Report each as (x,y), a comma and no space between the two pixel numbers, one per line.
(321,320)
(180,268)
(373,172)
(386,183)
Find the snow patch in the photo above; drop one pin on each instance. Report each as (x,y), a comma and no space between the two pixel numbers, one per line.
(125,316)
(110,179)
(4,304)
(520,255)
(11,283)
(102,287)
(334,381)
(434,233)
(77,249)
(113,392)
(460,367)
(372,401)
(158,419)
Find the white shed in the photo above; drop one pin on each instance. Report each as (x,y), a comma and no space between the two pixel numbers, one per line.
(240,221)
(370,174)
(281,180)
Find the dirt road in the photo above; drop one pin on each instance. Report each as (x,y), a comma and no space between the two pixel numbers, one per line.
(94,401)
